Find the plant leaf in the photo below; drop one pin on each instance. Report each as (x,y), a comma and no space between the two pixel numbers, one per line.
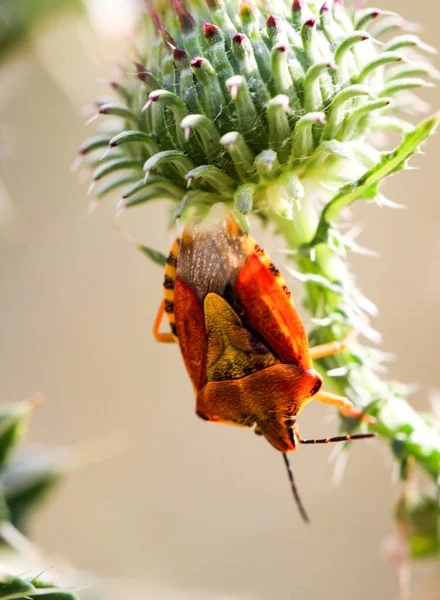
(17,588)
(27,481)
(14,587)
(367,185)
(13,421)
(155,255)
(57,594)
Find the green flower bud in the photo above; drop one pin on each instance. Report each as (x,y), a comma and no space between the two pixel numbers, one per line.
(221,88)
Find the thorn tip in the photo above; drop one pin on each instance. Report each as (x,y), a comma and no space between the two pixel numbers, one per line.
(273,22)
(197,62)
(210,30)
(238,38)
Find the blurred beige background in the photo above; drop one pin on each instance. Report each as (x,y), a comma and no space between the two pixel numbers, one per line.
(189,506)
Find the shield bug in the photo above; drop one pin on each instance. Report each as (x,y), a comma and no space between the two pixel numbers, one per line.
(243,344)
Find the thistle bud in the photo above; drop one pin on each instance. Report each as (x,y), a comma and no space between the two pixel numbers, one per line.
(224,88)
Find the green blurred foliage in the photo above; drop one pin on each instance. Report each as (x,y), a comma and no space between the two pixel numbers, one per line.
(18,17)
(11,586)
(27,477)
(13,422)
(417,516)
(17,588)
(58,595)
(26,482)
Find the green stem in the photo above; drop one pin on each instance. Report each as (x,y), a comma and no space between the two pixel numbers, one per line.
(396,421)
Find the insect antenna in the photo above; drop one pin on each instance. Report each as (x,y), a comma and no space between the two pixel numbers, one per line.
(296,495)
(339,438)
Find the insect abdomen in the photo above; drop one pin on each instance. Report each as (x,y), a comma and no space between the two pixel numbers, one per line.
(169,283)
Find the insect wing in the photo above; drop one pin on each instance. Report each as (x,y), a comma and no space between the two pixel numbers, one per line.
(233,352)
(209,259)
(190,330)
(211,256)
(270,312)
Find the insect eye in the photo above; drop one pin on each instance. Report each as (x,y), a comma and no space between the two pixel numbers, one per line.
(289,422)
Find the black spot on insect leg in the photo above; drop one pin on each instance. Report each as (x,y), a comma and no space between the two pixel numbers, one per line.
(173,329)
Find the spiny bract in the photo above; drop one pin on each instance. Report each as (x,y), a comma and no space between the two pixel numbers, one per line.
(256,106)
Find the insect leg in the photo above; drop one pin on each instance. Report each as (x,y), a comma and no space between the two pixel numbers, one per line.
(333,347)
(332,440)
(344,405)
(162,337)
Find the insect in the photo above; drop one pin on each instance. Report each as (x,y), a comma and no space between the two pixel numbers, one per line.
(243,344)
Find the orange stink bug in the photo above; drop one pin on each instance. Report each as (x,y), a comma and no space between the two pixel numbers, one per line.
(244,346)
